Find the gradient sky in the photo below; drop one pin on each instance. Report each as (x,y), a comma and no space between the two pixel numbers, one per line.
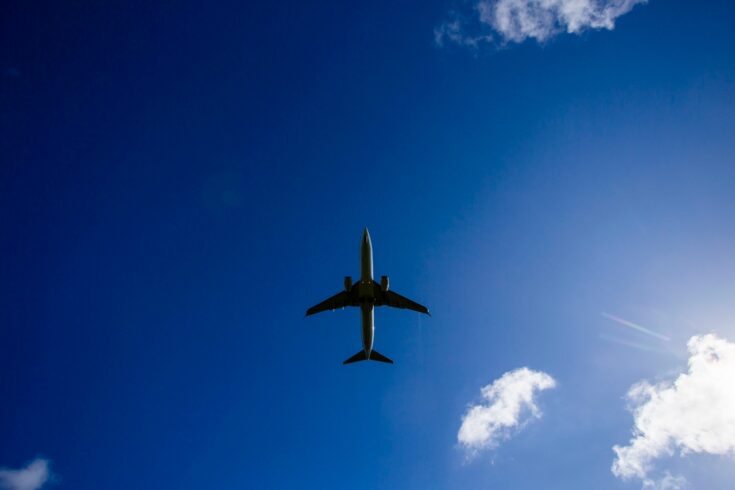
(179,183)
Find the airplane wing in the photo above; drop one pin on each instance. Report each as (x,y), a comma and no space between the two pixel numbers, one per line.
(339,300)
(390,298)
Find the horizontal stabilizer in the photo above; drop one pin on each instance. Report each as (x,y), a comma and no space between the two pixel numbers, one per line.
(360,356)
(377,356)
(374,356)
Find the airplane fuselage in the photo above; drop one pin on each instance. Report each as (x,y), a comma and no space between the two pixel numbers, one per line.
(365,293)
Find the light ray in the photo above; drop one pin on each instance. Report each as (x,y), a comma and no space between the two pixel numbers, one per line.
(635,326)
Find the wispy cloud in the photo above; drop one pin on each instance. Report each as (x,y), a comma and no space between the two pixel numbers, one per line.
(32,477)
(517,20)
(693,414)
(509,402)
(667,482)
(635,326)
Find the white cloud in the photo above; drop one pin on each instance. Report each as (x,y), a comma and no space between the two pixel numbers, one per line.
(518,20)
(509,402)
(693,414)
(32,477)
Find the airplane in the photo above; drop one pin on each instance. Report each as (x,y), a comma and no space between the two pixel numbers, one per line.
(367,294)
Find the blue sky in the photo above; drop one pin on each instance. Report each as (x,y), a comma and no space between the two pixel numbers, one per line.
(178,184)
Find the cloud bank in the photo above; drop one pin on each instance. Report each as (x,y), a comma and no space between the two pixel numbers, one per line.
(518,20)
(509,402)
(693,414)
(32,477)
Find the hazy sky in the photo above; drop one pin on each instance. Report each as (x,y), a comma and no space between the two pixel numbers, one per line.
(554,179)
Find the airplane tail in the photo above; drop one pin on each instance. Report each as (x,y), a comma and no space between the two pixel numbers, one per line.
(374,356)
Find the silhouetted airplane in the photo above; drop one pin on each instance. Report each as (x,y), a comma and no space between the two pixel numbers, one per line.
(367,294)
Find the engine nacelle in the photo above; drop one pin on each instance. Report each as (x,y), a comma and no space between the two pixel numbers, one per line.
(384,283)
(348,283)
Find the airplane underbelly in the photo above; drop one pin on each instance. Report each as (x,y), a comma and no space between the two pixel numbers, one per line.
(368,327)
(365,290)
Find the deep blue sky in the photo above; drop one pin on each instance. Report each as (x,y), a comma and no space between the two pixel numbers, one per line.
(179,183)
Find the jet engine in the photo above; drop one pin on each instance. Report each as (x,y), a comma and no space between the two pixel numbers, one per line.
(384,283)
(348,283)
